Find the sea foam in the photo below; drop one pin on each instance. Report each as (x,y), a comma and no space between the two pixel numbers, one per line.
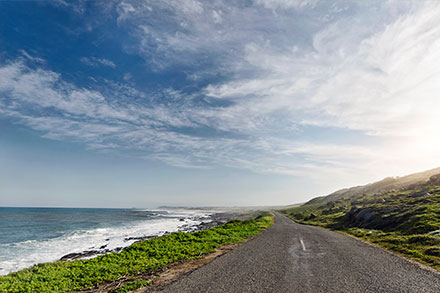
(20,255)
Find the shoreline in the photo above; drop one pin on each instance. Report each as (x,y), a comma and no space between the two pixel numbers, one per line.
(214,220)
(85,234)
(137,262)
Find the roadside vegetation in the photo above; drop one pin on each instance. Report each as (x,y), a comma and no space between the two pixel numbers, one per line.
(406,220)
(133,263)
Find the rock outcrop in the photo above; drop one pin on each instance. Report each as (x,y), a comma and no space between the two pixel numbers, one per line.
(435,179)
(360,217)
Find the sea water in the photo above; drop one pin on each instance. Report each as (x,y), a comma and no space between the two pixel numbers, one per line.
(34,235)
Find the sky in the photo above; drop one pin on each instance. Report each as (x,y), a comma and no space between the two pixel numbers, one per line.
(214,103)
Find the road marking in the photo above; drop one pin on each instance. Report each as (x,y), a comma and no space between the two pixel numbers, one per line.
(302,244)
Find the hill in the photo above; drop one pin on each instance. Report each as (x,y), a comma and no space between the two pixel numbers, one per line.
(383,186)
(399,214)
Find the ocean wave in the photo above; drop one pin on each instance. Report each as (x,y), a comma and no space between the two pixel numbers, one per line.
(20,255)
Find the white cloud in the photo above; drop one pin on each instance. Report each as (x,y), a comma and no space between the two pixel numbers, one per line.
(375,75)
(62,2)
(298,4)
(125,10)
(93,61)
(195,33)
(383,84)
(43,101)
(32,58)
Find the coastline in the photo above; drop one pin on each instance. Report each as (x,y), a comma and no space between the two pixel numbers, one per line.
(135,262)
(90,242)
(213,220)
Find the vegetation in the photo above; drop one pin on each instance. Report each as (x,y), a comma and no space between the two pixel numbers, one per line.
(406,221)
(131,286)
(138,259)
(383,186)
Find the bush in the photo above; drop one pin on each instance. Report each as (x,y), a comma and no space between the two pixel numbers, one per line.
(424,240)
(434,251)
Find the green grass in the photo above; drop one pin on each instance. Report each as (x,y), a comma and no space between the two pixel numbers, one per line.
(403,221)
(139,258)
(421,247)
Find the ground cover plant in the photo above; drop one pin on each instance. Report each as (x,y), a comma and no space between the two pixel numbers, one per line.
(406,221)
(139,258)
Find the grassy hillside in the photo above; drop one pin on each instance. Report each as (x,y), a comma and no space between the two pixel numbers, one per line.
(404,220)
(381,187)
(133,263)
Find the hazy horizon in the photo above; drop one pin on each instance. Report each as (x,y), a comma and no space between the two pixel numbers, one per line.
(125,104)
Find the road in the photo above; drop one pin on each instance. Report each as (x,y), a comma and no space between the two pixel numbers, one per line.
(289,257)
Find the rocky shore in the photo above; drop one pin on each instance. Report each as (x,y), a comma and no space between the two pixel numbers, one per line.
(214,220)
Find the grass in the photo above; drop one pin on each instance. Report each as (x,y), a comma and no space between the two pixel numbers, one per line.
(421,247)
(139,258)
(405,221)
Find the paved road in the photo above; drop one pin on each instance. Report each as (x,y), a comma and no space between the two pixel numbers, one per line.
(290,257)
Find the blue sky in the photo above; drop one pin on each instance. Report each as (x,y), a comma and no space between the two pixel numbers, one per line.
(144,103)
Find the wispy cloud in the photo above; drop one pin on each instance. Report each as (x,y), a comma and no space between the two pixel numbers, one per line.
(41,100)
(32,58)
(365,68)
(371,84)
(369,71)
(199,34)
(93,61)
(298,4)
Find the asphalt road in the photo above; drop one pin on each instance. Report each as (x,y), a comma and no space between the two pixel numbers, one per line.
(290,257)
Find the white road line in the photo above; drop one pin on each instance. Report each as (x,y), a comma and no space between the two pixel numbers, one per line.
(302,244)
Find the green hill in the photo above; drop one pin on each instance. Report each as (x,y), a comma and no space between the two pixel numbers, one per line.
(383,186)
(399,214)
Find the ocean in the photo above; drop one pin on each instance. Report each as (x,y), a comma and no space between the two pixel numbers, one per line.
(34,235)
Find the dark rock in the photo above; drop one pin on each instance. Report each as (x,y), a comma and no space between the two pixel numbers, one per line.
(87,253)
(70,256)
(365,215)
(419,194)
(390,210)
(138,238)
(350,214)
(212,224)
(435,179)
(330,204)
(360,217)
(312,216)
